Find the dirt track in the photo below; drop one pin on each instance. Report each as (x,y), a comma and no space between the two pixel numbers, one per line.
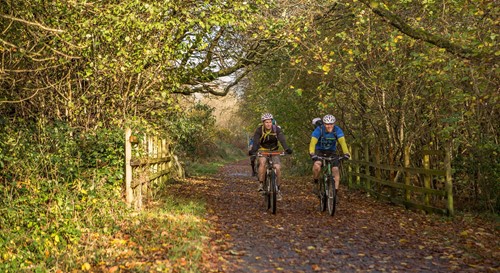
(365,235)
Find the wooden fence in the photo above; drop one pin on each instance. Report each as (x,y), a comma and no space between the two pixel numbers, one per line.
(149,164)
(427,187)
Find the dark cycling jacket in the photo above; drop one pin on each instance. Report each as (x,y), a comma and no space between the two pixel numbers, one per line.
(268,140)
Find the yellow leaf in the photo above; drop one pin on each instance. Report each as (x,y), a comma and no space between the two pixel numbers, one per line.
(118,242)
(403,241)
(86,267)
(311,247)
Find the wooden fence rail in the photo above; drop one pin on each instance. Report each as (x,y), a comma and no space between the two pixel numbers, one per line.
(149,163)
(426,188)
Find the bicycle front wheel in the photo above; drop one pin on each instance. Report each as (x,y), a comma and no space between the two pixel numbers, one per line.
(322,193)
(272,192)
(267,200)
(332,196)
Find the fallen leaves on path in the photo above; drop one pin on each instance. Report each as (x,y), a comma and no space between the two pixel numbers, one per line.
(364,235)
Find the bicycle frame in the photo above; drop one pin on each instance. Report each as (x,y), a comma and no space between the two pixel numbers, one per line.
(270,183)
(326,185)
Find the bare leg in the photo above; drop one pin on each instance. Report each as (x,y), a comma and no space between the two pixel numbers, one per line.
(336,176)
(278,173)
(262,168)
(316,169)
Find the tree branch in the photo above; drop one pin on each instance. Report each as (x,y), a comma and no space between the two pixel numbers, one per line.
(187,89)
(425,36)
(31,23)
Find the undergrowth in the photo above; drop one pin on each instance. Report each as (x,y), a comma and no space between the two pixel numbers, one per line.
(225,149)
(62,207)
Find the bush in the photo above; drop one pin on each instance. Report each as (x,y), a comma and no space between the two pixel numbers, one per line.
(57,185)
(476,177)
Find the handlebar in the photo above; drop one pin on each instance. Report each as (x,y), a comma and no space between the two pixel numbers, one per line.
(332,158)
(270,153)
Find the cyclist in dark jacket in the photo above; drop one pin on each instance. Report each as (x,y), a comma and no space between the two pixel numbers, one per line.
(267,137)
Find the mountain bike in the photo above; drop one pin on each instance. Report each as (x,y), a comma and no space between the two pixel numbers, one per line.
(326,185)
(270,186)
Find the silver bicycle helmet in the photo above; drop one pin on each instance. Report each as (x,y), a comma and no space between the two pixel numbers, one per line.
(315,120)
(266,116)
(329,119)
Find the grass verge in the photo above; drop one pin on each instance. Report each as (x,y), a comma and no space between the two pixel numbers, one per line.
(225,153)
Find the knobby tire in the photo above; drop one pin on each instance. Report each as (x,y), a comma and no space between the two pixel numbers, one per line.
(267,200)
(332,196)
(322,194)
(273,192)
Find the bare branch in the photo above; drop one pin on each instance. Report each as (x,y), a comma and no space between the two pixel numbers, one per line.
(31,23)
(62,54)
(21,100)
(7,43)
(187,89)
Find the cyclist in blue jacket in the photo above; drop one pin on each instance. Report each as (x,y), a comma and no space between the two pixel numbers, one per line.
(324,140)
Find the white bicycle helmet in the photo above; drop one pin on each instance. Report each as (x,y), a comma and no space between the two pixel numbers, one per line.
(315,120)
(329,119)
(266,116)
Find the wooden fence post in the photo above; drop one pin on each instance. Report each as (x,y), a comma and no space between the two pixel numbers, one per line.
(163,155)
(128,168)
(378,172)
(427,177)
(407,174)
(367,169)
(356,168)
(449,182)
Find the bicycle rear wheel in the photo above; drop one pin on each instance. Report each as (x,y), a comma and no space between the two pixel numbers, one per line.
(272,192)
(322,193)
(332,196)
